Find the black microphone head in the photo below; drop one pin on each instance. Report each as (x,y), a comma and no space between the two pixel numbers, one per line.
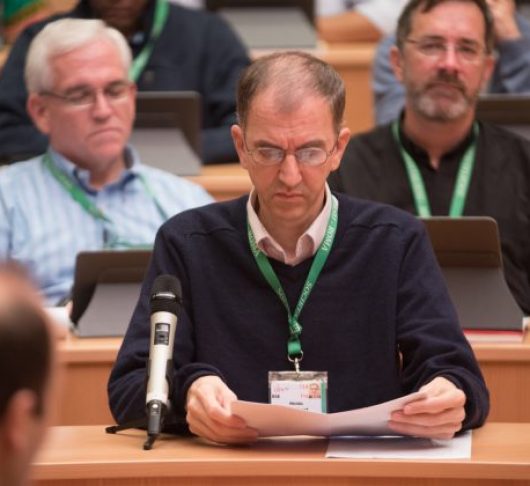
(166,294)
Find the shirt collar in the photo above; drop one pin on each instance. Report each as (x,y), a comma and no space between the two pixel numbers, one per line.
(133,168)
(420,155)
(307,244)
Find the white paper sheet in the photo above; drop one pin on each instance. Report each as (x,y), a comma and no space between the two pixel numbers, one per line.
(400,448)
(274,420)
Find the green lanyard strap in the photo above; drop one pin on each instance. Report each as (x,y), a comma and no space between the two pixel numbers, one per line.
(294,346)
(75,191)
(417,185)
(160,18)
(79,196)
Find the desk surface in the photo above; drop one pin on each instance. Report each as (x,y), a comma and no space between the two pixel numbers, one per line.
(500,452)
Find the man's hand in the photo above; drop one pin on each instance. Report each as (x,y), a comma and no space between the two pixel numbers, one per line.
(209,415)
(504,24)
(438,416)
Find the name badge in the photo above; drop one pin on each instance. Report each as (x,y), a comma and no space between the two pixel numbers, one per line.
(305,390)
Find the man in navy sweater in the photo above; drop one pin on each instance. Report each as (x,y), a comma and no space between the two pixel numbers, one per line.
(295,277)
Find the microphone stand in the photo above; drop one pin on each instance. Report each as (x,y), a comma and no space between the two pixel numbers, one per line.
(154,422)
(166,299)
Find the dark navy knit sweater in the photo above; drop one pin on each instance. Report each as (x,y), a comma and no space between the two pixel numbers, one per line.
(380,295)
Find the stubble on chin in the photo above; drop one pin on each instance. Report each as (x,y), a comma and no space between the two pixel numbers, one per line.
(435,107)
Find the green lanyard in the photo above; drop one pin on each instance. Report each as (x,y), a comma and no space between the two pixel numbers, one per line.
(417,186)
(79,196)
(294,347)
(160,17)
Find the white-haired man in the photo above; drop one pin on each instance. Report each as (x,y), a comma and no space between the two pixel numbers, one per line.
(89,190)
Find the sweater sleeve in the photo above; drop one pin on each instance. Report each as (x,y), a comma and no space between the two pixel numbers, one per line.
(128,379)
(430,339)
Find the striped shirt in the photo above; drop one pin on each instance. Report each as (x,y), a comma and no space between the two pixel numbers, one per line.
(43,228)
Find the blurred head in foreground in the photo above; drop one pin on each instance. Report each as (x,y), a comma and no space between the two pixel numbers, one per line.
(26,363)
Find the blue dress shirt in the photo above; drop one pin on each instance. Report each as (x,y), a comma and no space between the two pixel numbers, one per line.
(43,228)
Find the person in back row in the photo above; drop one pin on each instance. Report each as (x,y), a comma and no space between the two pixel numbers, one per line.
(295,278)
(174,48)
(435,159)
(511,73)
(27,378)
(88,191)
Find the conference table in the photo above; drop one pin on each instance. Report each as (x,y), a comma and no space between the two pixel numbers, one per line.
(86,364)
(86,456)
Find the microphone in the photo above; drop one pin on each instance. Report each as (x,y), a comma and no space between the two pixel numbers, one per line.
(166,301)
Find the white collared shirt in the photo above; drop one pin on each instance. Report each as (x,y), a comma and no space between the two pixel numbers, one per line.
(307,244)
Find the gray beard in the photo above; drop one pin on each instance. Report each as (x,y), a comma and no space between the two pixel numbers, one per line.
(431,110)
(427,106)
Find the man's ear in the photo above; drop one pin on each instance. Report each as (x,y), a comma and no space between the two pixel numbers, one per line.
(38,110)
(396,61)
(342,142)
(239,144)
(19,421)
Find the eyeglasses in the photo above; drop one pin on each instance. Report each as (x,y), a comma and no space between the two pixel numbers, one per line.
(466,51)
(85,96)
(307,156)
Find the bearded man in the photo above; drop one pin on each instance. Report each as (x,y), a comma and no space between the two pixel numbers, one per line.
(444,57)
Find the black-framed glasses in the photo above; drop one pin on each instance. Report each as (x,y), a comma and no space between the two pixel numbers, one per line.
(86,96)
(465,50)
(306,156)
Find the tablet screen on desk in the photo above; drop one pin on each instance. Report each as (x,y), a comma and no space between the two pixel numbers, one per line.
(466,241)
(167,130)
(106,289)
(469,254)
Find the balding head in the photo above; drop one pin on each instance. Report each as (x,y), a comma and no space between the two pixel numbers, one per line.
(291,76)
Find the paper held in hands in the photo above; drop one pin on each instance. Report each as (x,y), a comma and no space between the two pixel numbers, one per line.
(274,420)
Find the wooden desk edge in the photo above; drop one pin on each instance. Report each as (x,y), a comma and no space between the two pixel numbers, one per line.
(187,457)
(74,349)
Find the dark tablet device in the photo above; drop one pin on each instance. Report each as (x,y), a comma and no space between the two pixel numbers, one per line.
(270,24)
(306,6)
(471,241)
(167,130)
(171,109)
(469,254)
(106,289)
